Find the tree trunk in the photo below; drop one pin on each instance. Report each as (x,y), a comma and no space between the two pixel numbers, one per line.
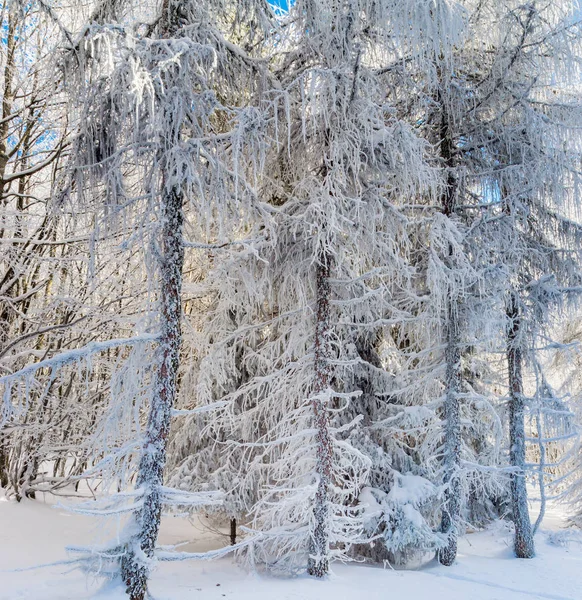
(451,413)
(7,99)
(452,449)
(318,563)
(151,468)
(4,479)
(523,542)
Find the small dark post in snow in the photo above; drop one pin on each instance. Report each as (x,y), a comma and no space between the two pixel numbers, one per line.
(318,563)
(232,531)
(523,542)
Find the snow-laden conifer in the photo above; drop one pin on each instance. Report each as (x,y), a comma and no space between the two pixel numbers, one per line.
(152,142)
(291,317)
(526,120)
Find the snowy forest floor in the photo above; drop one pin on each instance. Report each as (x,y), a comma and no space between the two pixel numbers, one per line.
(34,532)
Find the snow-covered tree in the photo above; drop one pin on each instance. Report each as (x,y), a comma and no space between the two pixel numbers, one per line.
(332,240)
(283,335)
(470,102)
(432,69)
(151,137)
(527,121)
(40,250)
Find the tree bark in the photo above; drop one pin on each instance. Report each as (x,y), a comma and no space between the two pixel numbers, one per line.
(452,450)
(4,479)
(451,413)
(151,468)
(523,542)
(318,563)
(7,99)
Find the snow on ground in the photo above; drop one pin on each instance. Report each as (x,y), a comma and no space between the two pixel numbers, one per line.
(33,532)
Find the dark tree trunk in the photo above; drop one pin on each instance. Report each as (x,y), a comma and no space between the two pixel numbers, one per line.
(153,459)
(4,465)
(318,563)
(451,412)
(7,98)
(452,449)
(523,543)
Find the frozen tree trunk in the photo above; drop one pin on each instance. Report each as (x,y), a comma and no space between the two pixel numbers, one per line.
(452,449)
(4,480)
(451,414)
(151,468)
(7,99)
(7,105)
(541,472)
(4,463)
(523,542)
(318,563)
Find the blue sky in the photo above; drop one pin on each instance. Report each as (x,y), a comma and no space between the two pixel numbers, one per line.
(281,4)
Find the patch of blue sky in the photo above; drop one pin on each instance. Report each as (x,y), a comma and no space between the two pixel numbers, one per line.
(281,7)
(46,141)
(30,20)
(4,31)
(27,57)
(490,192)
